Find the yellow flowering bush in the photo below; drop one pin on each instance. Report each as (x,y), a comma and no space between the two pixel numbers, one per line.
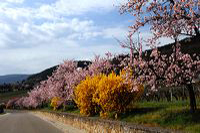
(84,94)
(106,94)
(113,94)
(55,102)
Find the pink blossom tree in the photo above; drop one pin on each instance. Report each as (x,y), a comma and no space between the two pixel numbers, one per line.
(158,70)
(165,17)
(62,83)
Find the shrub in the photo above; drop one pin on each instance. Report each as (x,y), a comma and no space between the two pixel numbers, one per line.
(114,94)
(106,94)
(56,102)
(2,106)
(84,94)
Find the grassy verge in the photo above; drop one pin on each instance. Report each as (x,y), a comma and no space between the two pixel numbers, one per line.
(4,97)
(69,109)
(174,115)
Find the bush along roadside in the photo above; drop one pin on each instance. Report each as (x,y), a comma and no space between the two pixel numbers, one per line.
(106,94)
(2,106)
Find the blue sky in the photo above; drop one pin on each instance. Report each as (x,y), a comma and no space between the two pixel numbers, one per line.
(37,34)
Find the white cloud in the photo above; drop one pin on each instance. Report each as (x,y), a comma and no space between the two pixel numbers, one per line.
(70,7)
(32,39)
(19,33)
(15,14)
(33,60)
(14,1)
(59,9)
(115,32)
(4,27)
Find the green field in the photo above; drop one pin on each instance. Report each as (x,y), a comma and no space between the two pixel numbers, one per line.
(173,115)
(4,97)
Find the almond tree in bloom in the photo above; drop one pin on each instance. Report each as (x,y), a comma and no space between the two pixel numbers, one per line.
(158,70)
(62,83)
(166,18)
(100,65)
(55,86)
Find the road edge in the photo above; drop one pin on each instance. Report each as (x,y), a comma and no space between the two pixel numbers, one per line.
(66,128)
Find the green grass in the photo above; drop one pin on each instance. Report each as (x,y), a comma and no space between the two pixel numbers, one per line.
(4,97)
(69,109)
(174,115)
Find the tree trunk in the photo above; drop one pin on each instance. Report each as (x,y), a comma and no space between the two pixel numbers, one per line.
(171,95)
(197,31)
(193,106)
(183,94)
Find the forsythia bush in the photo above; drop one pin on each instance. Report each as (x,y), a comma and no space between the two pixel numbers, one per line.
(106,94)
(84,94)
(112,94)
(56,102)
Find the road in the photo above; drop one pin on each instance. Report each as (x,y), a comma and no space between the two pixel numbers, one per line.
(24,122)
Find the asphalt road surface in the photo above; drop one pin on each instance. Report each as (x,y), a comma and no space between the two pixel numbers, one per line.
(23,122)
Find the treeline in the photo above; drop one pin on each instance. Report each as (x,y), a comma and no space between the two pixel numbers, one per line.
(8,87)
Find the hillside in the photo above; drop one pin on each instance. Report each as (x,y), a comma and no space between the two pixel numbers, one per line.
(38,77)
(13,78)
(188,45)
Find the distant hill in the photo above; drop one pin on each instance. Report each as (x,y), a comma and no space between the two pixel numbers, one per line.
(188,45)
(13,78)
(34,79)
